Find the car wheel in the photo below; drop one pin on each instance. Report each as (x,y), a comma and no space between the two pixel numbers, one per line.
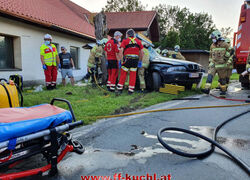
(188,86)
(156,81)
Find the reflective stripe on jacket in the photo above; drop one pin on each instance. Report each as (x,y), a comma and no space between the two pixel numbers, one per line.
(145,59)
(49,55)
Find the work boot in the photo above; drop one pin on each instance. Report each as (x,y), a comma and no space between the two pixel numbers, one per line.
(223,94)
(206,91)
(48,87)
(130,92)
(143,91)
(108,88)
(111,89)
(53,86)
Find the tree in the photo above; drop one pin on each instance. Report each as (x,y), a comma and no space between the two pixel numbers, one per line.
(124,6)
(166,17)
(170,40)
(226,32)
(193,29)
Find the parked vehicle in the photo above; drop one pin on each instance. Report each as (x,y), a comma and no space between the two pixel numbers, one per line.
(242,43)
(164,70)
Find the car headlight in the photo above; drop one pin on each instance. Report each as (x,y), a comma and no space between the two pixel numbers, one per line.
(176,68)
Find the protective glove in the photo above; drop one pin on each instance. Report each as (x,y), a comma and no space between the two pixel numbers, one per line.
(174,56)
(59,66)
(139,64)
(120,64)
(44,67)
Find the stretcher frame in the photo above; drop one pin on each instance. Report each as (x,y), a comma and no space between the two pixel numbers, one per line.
(53,144)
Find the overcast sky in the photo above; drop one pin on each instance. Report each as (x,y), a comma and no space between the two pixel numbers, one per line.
(225,13)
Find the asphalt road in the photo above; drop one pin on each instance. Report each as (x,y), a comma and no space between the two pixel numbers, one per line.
(129,145)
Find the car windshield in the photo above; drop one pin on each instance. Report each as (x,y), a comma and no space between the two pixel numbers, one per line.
(153,54)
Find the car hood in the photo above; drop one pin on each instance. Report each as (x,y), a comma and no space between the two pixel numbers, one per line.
(174,62)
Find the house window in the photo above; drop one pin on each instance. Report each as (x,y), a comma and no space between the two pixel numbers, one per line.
(74,51)
(6,52)
(57,46)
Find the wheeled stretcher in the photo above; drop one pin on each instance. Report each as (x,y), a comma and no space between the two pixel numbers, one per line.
(41,129)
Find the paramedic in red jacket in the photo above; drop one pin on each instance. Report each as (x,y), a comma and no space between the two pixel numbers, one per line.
(131,52)
(112,55)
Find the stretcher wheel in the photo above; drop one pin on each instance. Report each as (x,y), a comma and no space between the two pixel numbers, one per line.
(78,147)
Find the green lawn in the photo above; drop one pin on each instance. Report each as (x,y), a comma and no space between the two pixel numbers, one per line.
(215,80)
(89,102)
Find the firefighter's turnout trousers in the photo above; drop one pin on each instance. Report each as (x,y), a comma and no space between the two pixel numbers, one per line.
(130,64)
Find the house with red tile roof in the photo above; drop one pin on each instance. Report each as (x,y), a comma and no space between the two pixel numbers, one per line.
(23,24)
(144,22)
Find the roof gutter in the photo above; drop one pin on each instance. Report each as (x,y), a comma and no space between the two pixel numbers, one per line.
(152,20)
(120,29)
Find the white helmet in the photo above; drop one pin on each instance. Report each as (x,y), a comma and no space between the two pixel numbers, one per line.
(47,36)
(130,33)
(177,48)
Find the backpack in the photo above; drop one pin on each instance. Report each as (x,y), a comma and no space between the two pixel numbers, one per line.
(9,94)
(18,80)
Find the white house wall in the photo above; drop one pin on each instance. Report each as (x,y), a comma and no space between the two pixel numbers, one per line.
(27,42)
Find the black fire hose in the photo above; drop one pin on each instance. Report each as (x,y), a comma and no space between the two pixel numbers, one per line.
(213,142)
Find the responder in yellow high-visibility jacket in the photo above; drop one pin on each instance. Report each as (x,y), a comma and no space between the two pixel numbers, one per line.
(219,60)
(143,67)
(50,60)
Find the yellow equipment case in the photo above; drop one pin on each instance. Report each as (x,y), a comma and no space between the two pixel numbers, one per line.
(9,94)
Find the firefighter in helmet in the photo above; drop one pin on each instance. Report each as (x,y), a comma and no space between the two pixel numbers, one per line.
(112,55)
(144,66)
(94,61)
(176,54)
(219,60)
(131,52)
(158,50)
(164,52)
